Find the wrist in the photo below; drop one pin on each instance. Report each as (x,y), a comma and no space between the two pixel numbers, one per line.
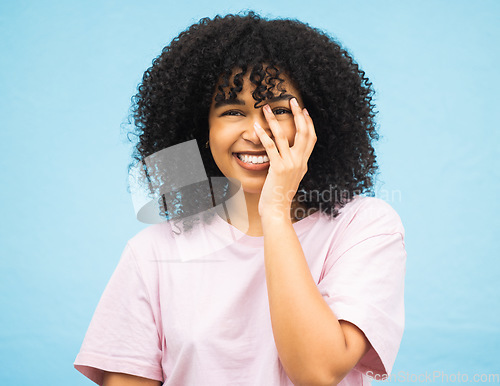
(276,217)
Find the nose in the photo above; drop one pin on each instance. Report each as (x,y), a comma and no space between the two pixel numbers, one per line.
(249,133)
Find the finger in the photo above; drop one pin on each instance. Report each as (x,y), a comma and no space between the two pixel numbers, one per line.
(302,129)
(268,143)
(279,136)
(311,138)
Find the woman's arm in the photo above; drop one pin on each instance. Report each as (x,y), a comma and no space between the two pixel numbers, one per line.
(314,347)
(120,379)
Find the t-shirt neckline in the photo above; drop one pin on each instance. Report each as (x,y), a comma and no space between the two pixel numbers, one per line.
(230,231)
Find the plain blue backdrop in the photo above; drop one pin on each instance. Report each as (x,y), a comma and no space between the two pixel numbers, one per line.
(67,72)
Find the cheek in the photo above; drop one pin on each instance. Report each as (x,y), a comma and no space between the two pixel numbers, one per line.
(214,138)
(219,147)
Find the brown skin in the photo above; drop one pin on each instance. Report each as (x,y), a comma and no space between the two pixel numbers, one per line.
(120,379)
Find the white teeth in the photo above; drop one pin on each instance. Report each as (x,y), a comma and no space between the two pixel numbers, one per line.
(253,159)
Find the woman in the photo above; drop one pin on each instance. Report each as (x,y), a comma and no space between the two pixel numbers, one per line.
(302,277)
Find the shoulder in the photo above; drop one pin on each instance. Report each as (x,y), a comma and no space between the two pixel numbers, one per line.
(155,242)
(370,214)
(363,218)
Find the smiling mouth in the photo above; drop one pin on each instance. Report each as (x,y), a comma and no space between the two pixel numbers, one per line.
(252,159)
(252,162)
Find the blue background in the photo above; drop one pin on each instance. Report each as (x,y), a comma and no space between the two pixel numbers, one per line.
(68,71)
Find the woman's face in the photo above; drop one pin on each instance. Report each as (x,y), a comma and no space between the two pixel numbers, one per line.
(235,146)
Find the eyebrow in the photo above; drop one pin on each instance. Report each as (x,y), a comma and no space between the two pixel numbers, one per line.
(239,102)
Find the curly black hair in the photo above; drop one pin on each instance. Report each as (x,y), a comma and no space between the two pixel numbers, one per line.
(175,95)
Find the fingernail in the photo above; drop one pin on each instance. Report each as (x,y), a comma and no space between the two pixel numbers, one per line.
(267,108)
(294,102)
(257,126)
(306,112)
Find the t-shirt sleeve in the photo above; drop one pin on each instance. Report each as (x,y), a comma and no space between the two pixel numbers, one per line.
(123,335)
(365,282)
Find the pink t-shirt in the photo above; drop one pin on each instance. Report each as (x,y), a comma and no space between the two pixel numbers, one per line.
(191,308)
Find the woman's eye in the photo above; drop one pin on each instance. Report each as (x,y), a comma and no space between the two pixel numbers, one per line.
(281,111)
(231,113)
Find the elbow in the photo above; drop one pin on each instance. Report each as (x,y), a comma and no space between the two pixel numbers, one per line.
(319,370)
(317,378)
(316,382)
(335,379)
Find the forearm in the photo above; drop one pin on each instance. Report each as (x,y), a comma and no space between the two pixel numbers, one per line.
(121,379)
(308,335)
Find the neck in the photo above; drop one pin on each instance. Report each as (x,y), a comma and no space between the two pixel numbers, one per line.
(242,211)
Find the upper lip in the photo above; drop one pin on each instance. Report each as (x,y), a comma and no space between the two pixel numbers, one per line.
(263,152)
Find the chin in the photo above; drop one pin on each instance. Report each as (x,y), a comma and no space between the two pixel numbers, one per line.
(253,191)
(252,188)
